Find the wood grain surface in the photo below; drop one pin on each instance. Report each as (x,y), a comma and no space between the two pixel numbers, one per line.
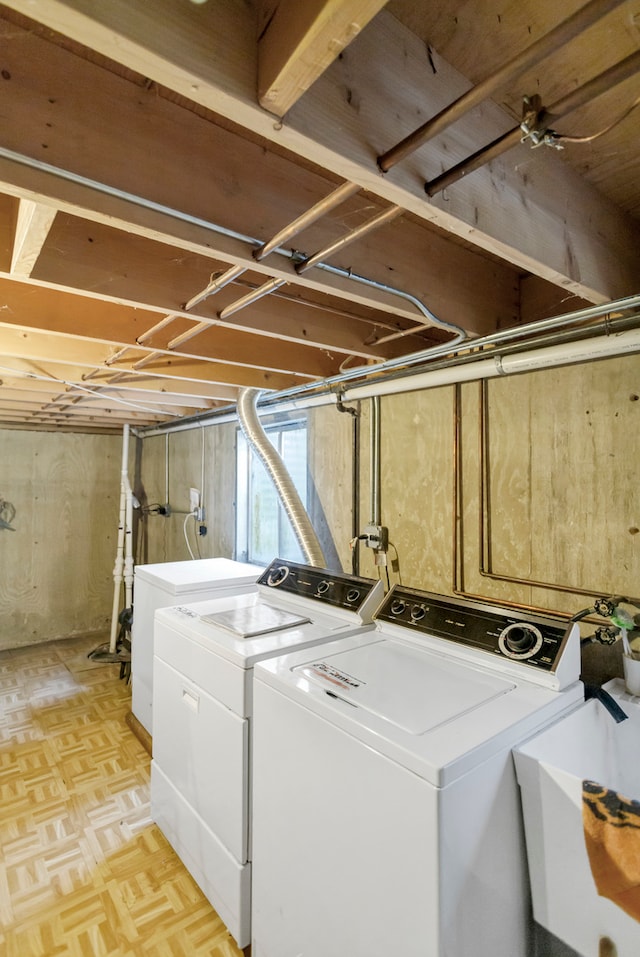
(83,870)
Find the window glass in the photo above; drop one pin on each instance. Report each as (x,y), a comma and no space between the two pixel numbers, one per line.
(263,530)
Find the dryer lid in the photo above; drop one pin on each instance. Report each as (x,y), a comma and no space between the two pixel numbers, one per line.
(414,690)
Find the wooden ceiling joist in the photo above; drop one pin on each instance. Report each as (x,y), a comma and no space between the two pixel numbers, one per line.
(207,54)
(297,42)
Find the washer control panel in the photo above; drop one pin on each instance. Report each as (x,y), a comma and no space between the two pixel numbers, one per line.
(331,588)
(537,641)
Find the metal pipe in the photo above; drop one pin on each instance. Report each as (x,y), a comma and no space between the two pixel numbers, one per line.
(451,367)
(385,217)
(568,104)
(530,56)
(374,449)
(277,471)
(157,328)
(189,334)
(214,285)
(307,218)
(252,296)
(144,203)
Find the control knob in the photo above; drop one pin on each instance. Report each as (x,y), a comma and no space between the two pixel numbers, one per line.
(418,612)
(520,640)
(277,576)
(323,586)
(397,606)
(352,595)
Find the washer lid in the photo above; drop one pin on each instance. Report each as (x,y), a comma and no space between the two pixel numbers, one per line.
(180,578)
(413,691)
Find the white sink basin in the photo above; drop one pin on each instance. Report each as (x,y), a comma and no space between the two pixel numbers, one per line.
(551,768)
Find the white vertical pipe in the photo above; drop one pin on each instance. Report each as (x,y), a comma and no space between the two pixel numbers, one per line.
(119,563)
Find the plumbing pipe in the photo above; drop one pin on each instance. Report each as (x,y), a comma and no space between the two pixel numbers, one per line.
(218,283)
(392,212)
(119,563)
(374,449)
(287,492)
(451,370)
(253,296)
(311,216)
(595,87)
(513,68)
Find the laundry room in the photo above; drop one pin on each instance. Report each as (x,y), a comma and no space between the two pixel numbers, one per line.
(319,399)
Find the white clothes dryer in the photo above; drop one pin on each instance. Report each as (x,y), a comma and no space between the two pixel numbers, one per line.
(386,813)
(171,583)
(204,656)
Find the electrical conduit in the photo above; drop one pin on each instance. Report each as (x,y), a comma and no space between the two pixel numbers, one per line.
(287,492)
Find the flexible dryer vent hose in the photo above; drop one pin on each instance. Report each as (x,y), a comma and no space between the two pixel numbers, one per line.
(277,471)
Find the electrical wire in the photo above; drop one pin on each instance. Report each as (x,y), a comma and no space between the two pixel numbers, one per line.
(186,538)
(566,138)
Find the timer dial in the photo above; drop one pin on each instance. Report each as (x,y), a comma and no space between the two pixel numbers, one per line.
(520,640)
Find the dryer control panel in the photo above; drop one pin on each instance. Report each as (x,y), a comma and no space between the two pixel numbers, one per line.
(331,588)
(537,641)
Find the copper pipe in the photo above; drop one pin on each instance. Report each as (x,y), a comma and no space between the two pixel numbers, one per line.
(141,363)
(158,326)
(546,45)
(215,284)
(252,296)
(584,94)
(385,217)
(189,334)
(311,216)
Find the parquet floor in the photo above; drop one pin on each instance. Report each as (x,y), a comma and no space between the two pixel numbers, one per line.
(83,870)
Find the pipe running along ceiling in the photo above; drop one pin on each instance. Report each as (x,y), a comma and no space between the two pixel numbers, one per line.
(172,233)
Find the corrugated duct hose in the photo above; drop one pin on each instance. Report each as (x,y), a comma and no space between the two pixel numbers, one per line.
(277,471)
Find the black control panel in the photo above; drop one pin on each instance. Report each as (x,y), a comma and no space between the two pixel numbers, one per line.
(534,640)
(331,588)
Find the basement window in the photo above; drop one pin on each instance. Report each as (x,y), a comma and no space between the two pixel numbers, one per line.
(263,531)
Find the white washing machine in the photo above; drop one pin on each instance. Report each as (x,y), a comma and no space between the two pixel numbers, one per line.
(203,680)
(386,813)
(170,583)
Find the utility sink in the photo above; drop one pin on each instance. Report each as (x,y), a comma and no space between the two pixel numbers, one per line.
(583,869)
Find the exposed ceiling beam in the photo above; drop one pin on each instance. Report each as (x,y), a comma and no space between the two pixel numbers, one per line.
(42,347)
(297,42)
(527,208)
(34,220)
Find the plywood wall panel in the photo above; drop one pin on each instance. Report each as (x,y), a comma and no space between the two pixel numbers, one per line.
(330,458)
(417,485)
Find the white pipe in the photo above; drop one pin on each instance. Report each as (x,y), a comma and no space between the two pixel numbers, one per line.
(601,347)
(122,521)
(585,350)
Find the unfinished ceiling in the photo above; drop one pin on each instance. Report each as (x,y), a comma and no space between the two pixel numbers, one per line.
(151,152)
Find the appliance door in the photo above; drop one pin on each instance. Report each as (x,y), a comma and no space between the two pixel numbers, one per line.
(345,842)
(203,749)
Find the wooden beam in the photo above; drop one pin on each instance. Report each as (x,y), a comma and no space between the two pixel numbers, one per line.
(253,193)
(52,310)
(32,228)
(43,347)
(297,42)
(527,208)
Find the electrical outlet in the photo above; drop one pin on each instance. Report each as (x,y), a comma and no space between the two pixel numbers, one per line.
(194,499)
(376,536)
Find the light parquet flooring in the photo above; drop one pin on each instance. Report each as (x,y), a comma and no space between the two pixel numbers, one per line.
(83,869)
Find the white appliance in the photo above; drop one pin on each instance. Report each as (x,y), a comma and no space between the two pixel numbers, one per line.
(170,583)
(386,814)
(203,679)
